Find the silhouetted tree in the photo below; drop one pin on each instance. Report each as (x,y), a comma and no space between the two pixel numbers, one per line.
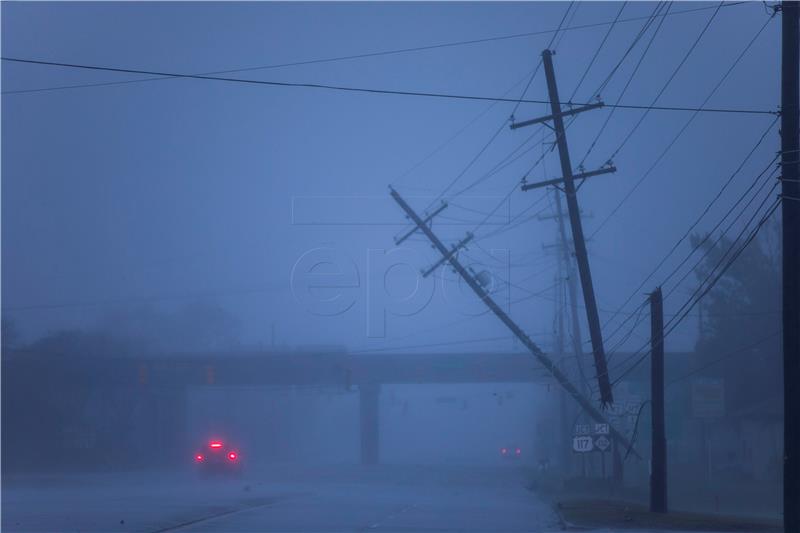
(740,321)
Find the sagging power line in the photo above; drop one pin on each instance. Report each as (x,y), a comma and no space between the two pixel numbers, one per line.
(366,55)
(352,89)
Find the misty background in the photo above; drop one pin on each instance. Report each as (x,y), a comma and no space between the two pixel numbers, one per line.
(124,201)
(158,223)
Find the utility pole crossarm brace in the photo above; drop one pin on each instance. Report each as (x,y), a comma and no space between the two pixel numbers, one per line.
(562,378)
(562,114)
(446,257)
(428,218)
(580,176)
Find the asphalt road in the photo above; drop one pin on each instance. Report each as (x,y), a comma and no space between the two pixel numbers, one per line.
(286,499)
(281,499)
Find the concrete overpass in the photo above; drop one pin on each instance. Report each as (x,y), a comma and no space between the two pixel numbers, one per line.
(161,380)
(165,377)
(366,372)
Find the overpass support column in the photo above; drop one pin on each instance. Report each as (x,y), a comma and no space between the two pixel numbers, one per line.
(369,399)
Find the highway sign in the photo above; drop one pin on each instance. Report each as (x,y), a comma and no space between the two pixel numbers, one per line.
(583,429)
(582,444)
(601,429)
(602,443)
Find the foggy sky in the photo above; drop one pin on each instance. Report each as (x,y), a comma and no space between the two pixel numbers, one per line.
(166,190)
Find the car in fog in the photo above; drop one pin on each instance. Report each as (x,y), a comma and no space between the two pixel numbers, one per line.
(218,457)
(511,452)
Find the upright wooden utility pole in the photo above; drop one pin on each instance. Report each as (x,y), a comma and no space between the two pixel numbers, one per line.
(658,465)
(790,144)
(568,181)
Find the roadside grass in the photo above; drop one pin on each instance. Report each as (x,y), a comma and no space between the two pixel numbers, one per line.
(621,515)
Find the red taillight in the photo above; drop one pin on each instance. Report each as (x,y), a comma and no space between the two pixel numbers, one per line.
(215,444)
(199,458)
(232,456)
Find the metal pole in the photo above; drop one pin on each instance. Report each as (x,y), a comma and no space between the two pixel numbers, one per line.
(790,121)
(658,470)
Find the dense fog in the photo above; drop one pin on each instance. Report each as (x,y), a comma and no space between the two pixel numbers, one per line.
(219,314)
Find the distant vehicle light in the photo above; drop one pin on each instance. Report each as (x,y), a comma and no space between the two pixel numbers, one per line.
(232,456)
(504,451)
(215,444)
(518,451)
(199,458)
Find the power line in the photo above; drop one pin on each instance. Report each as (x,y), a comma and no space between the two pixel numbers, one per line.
(465,208)
(700,244)
(477,156)
(675,321)
(701,292)
(457,134)
(515,220)
(680,132)
(363,55)
(530,293)
(597,51)
(494,210)
(508,263)
(508,160)
(505,161)
(739,236)
(514,188)
(639,310)
(697,264)
(716,242)
(551,264)
(722,234)
(539,64)
(608,78)
(366,90)
(724,357)
(641,33)
(632,75)
(469,165)
(669,80)
(704,212)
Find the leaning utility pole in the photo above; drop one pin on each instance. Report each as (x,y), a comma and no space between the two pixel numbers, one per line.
(790,144)
(450,256)
(658,461)
(568,180)
(569,271)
